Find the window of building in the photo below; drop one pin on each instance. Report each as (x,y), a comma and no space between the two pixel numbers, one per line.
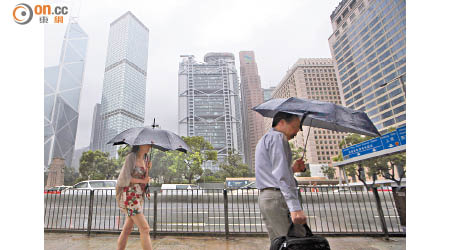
(399,109)
(386,114)
(382,99)
(400,118)
(388,123)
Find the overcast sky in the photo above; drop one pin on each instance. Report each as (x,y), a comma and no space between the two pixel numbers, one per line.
(279,32)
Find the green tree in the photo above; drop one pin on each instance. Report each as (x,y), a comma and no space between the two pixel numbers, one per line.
(159,166)
(175,166)
(123,152)
(352,139)
(191,163)
(350,170)
(233,166)
(210,176)
(328,171)
(70,176)
(97,165)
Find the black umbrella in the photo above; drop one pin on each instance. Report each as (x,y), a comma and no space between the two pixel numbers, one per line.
(158,138)
(320,114)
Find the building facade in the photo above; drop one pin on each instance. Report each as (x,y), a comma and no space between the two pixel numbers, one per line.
(124,84)
(62,89)
(209,103)
(368,48)
(267,93)
(56,173)
(96,126)
(313,78)
(252,95)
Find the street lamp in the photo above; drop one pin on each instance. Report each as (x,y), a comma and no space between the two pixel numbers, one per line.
(400,77)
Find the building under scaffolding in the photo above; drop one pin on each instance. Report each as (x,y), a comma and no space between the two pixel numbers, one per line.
(209,104)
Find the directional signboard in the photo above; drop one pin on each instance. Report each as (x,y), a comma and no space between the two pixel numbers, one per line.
(389,140)
(402,133)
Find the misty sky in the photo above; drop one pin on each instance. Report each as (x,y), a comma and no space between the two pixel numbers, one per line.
(279,32)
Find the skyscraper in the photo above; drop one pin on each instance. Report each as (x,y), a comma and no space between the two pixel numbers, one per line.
(62,88)
(267,93)
(209,104)
(313,78)
(252,95)
(368,47)
(124,84)
(96,126)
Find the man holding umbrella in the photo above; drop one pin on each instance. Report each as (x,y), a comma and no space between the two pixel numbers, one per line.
(274,176)
(278,200)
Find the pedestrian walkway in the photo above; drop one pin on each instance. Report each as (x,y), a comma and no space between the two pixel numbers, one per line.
(70,241)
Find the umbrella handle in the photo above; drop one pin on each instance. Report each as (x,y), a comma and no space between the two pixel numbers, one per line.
(309,129)
(303,119)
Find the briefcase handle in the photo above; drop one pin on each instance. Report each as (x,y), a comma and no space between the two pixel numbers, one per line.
(291,232)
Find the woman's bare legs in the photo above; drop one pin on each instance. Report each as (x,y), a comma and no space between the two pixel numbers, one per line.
(144,230)
(126,231)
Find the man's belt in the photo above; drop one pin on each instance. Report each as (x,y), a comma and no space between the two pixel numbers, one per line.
(270,188)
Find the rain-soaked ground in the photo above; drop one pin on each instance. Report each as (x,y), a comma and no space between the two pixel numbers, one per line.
(70,241)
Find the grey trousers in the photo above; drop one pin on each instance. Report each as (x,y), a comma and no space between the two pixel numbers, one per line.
(275,214)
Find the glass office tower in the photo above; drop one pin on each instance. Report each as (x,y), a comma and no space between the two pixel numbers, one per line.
(62,88)
(124,83)
(368,49)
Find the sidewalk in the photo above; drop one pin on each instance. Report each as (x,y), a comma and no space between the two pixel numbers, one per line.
(67,241)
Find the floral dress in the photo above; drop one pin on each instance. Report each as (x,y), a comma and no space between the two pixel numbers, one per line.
(132,198)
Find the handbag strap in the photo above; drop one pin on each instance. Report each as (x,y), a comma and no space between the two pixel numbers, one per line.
(291,231)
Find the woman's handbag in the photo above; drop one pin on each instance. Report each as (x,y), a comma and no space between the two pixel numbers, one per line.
(292,242)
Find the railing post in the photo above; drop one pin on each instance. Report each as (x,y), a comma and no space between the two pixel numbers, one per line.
(380,212)
(91,206)
(155,212)
(225,206)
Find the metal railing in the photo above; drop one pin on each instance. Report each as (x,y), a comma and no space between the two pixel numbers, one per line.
(225,212)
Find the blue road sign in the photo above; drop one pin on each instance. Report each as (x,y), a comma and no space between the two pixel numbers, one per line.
(402,134)
(389,140)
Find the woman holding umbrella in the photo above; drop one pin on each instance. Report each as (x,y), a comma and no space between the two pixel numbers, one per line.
(130,190)
(134,175)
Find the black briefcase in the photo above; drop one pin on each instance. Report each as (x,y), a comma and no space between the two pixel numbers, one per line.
(292,242)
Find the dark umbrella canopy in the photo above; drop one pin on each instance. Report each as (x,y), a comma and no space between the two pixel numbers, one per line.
(320,114)
(159,138)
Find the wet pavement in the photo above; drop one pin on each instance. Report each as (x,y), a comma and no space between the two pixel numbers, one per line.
(70,241)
